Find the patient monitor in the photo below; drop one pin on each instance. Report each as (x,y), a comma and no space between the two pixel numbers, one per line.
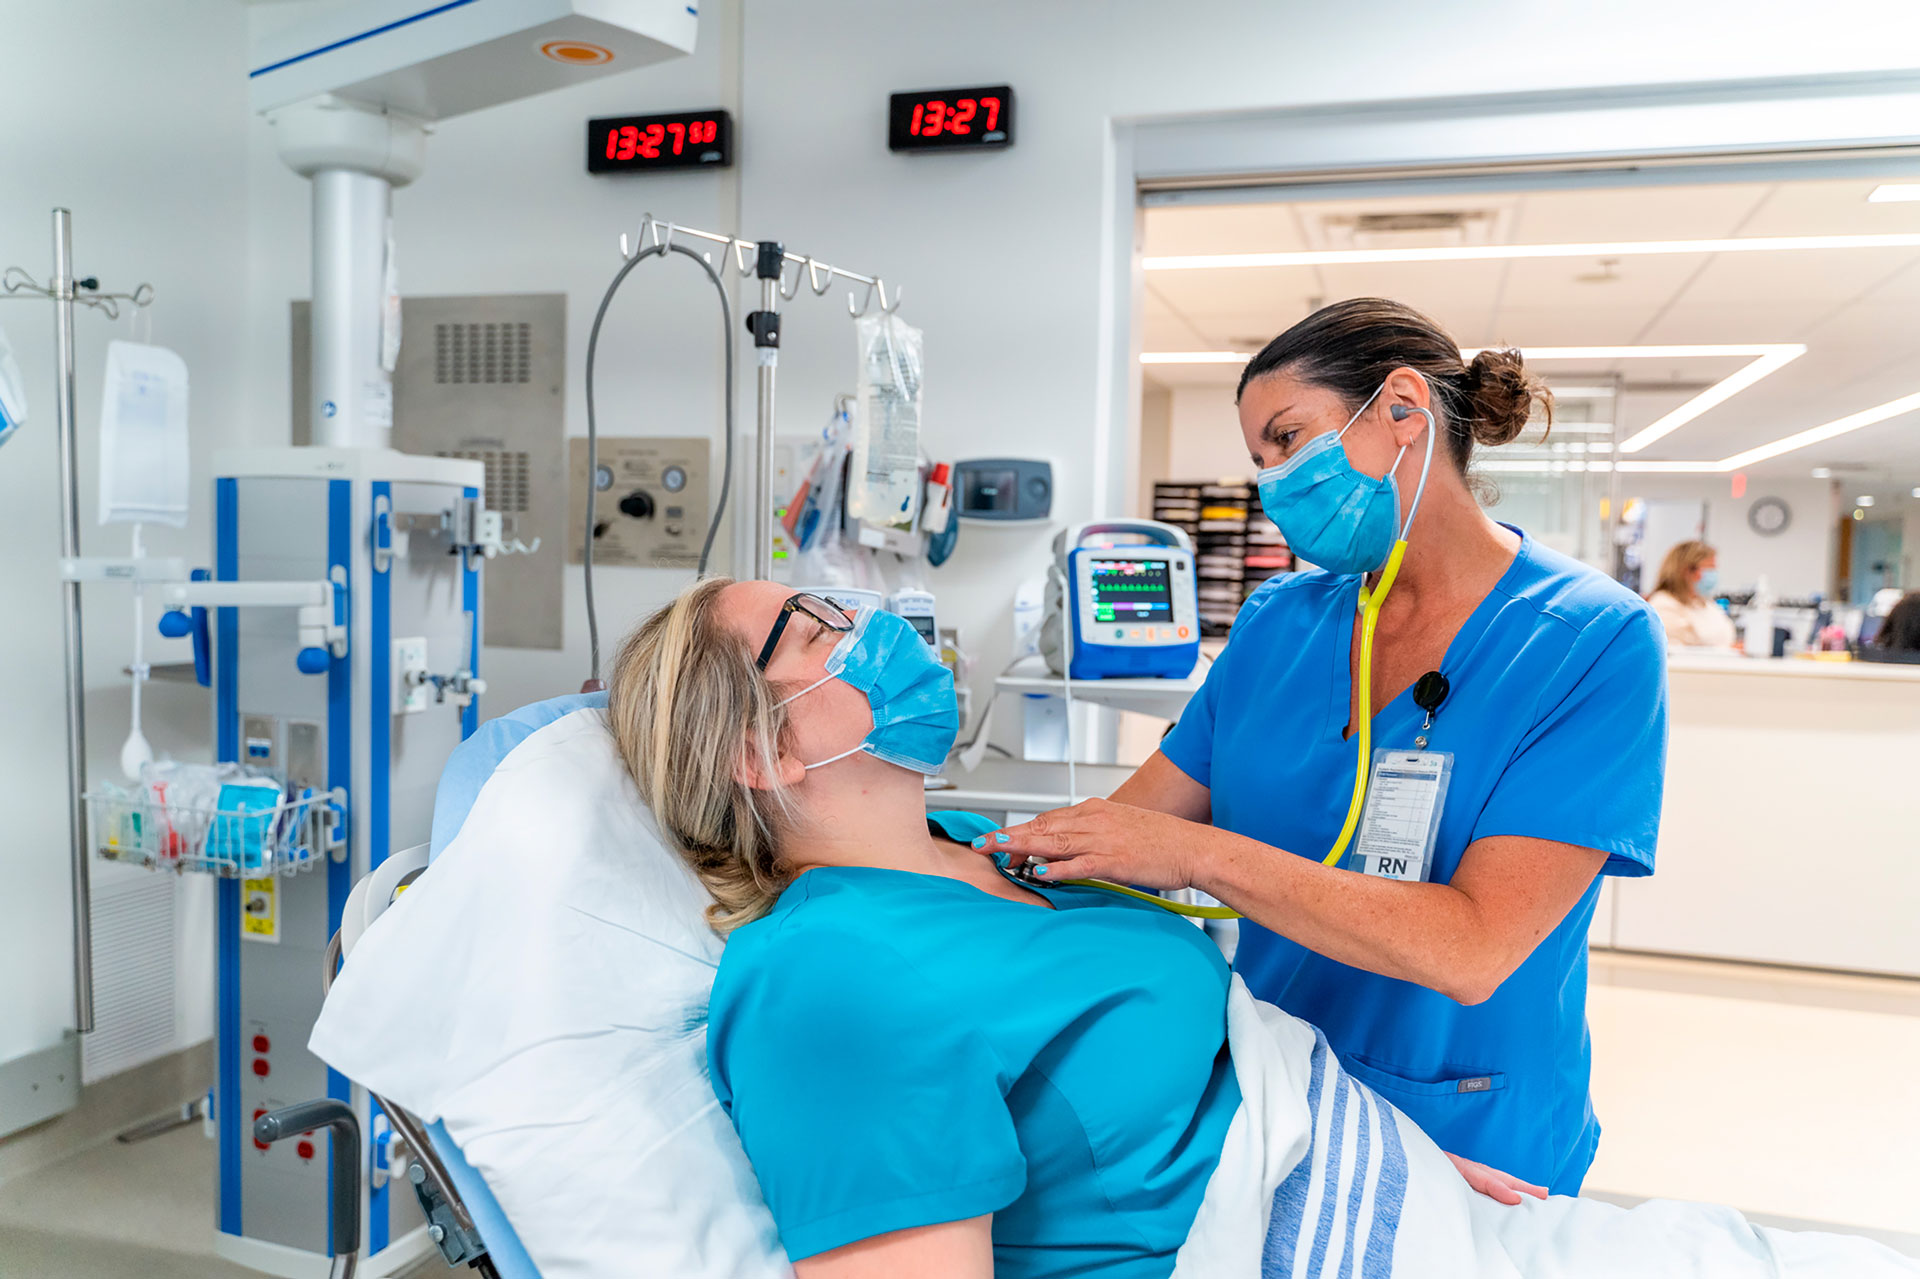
(1122,608)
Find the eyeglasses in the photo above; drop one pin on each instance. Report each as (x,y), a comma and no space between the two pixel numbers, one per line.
(825,612)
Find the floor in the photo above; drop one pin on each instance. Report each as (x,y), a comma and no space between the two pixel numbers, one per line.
(1790,1095)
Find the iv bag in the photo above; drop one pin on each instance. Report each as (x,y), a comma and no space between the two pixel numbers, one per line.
(883,487)
(143,436)
(13,392)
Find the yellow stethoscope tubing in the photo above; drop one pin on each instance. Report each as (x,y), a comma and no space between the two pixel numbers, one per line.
(1370,602)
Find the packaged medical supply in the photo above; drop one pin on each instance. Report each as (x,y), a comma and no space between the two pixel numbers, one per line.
(13,391)
(143,436)
(243,828)
(883,488)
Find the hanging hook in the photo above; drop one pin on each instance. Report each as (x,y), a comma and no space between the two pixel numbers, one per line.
(788,294)
(17,280)
(815,282)
(666,241)
(742,250)
(898,294)
(857,311)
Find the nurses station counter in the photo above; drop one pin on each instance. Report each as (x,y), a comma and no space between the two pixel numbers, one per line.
(1791,829)
(1790,832)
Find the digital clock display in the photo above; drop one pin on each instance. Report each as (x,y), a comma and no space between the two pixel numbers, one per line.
(949,119)
(643,143)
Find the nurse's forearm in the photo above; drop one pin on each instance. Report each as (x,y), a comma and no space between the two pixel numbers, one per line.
(1458,943)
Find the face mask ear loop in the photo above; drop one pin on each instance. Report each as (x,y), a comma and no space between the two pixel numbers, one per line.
(1400,413)
(831,759)
(1362,409)
(803,692)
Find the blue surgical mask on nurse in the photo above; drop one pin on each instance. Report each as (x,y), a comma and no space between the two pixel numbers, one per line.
(915,714)
(1333,514)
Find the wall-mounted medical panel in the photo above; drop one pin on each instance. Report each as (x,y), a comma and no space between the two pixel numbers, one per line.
(484,378)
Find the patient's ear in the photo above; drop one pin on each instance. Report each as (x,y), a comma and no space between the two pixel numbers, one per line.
(750,771)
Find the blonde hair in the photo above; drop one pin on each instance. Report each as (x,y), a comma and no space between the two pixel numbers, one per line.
(1676,571)
(688,710)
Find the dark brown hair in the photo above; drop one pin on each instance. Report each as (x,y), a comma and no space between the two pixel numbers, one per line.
(1901,631)
(1350,348)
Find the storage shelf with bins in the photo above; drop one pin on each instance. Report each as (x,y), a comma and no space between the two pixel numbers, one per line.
(287,838)
(1235,546)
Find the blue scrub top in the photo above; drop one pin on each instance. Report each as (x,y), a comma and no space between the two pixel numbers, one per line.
(897,1050)
(1557,723)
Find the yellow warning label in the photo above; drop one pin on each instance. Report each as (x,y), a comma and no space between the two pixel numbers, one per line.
(260,909)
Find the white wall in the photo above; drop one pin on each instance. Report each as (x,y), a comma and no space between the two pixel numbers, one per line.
(133,116)
(1797,562)
(1204,440)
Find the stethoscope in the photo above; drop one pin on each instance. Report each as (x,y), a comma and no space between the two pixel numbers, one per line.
(1428,694)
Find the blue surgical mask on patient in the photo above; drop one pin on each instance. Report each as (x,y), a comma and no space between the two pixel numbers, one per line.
(1709,584)
(915,714)
(1331,513)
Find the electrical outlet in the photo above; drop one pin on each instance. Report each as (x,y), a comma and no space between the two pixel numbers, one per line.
(411,693)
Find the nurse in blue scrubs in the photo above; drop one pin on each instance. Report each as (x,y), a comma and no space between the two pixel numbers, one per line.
(1456,984)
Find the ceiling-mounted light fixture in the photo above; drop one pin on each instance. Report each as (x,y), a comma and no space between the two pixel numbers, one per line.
(1822,473)
(1825,431)
(1865,499)
(1194,357)
(1515,252)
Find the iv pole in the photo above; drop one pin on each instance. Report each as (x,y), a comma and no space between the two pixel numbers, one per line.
(64,291)
(766,260)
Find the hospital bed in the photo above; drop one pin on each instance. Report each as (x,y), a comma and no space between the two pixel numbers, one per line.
(463,1219)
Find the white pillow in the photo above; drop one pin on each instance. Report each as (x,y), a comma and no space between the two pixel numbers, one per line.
(543,989)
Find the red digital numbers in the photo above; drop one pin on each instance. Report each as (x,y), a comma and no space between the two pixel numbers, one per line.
(951,119)
(931,119)
(629,141)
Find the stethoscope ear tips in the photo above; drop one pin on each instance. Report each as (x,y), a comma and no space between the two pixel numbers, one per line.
(1400,412)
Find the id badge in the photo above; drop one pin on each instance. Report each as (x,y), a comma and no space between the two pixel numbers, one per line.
(1405,797)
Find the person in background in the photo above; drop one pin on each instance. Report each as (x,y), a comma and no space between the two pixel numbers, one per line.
(1900,633)
(1683,598)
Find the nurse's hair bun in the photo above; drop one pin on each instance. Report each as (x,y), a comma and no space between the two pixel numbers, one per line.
(1501,396)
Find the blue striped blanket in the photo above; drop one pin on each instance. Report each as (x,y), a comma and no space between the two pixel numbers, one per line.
(1322,1178)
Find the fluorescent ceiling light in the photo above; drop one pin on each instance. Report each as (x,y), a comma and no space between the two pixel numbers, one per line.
(1194,357)
(1725,389)
(1865,499)
(1768,358)
(1825,431)
(1894,193)
(1822,473)
(1581,392)
(1916,492)
(1510,252)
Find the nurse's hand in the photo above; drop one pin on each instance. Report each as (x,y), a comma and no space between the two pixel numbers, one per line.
(1099,839)
(1494,1184)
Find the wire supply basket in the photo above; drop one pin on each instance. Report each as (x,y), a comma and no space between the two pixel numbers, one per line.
(279,839)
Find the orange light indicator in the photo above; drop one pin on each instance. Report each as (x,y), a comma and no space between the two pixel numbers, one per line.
(576,53)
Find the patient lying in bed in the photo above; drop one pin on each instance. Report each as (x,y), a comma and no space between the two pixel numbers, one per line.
(939,1071)
(936,1071)
(933,1068)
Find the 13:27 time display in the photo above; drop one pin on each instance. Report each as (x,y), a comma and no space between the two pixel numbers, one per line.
(943,119)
